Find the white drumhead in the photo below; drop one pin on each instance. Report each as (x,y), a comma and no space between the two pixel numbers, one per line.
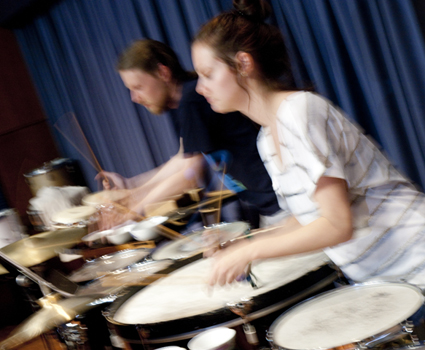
(73,215)
(193,243)
(345,316)
(185,292)
(104,197)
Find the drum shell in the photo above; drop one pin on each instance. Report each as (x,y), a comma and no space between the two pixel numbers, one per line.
(11,228)
(265,309)
(36,219)
(58,172)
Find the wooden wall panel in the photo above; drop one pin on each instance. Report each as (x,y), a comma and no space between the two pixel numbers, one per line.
(25,138)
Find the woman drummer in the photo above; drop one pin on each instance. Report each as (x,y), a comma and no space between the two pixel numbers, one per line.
(341,194)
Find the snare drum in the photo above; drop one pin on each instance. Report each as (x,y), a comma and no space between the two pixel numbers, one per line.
(351,317)
(193,244)
(182,305)
(79,216)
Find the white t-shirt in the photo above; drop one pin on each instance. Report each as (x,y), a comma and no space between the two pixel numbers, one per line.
(316,140)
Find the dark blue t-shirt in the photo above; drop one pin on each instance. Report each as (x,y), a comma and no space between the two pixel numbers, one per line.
(205,131)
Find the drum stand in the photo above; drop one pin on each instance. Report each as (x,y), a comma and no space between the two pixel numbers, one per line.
(242,308)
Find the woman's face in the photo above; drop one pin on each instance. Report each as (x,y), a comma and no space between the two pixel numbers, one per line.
(216,82)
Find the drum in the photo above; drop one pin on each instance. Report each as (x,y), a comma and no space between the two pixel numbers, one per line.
(58,172)
(193,244)
(351,317)
(182,305)
(104,197)
(108,263)
(36,219)
(79,216)
(11,228)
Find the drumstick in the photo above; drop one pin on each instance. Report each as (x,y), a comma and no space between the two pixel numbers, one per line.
(221,193)
(97,164)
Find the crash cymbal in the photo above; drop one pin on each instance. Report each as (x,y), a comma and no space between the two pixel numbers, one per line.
(41,247)
(50,316)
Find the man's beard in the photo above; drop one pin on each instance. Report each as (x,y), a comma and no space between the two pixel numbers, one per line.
(160,106)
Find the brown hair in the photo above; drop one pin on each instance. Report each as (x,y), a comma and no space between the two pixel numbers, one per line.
(146,54)
(243,29)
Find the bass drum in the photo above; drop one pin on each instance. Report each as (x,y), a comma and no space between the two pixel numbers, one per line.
(369,315)
(176,308)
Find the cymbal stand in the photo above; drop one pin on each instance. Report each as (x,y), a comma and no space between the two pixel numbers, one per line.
(45,286)
(242,308)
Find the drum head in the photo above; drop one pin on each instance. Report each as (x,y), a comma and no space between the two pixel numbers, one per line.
(185,292)
(193,243)
(345,316)
(74,215)
(108,263)
(104,197)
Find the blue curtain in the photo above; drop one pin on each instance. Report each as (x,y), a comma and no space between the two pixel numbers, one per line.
(367,56)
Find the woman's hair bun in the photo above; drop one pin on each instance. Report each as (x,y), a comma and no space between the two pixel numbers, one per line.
(256,10)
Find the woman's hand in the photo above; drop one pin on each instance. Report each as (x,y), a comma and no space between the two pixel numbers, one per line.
(230,263)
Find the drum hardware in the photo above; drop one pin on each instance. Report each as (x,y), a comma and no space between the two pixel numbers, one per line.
(180,213)
(242,308)
(45,286)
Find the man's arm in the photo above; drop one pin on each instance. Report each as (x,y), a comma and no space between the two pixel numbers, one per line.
(179,174)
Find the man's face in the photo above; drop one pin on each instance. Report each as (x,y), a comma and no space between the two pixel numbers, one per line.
(150,91)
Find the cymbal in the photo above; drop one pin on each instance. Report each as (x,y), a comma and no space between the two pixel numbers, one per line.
(50,316)
(41,247)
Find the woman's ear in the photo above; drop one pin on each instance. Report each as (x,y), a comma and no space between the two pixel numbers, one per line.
(244,63)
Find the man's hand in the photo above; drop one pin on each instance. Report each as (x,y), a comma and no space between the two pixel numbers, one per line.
(111,180)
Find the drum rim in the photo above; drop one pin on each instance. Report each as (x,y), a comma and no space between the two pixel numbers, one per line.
(54,164)
(156,254)
(323,295)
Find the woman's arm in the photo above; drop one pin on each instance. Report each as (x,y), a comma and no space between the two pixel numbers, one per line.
(333,227)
